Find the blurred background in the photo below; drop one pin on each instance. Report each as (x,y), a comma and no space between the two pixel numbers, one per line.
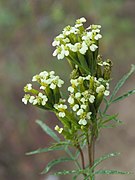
(27,29)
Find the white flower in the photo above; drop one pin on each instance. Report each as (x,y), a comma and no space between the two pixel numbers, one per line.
(77,95)
(71,89)
(35,101)
(83,100)
(29,86)
(82,122)
(88,116)
(101,88)
(91,99)
(57,128)
(79,22)
(35,78)
(53,86)
(83,106)
(42,87)
(80,112)
(70,30)
(24,100)
(61,52)
(93,47)
(62,106)
(43,74)
(84,48)
(31,100)
(60,82)
(75,107)
(71,100)
(74,82)
(98,36)
(62,114)
(107,85)
(106,93)
(105,64)
(44,100)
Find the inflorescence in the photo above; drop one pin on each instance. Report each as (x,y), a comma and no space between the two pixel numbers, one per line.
(89,79)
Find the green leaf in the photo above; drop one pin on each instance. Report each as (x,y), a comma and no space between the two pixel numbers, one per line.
(54,162)
(110,118)
(47,130)
(42,150)
(121,82)
(104,157)
(65,172)
(124,96)
(111,172)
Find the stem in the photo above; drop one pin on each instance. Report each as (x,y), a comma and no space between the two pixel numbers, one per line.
(82,156)
(91,152)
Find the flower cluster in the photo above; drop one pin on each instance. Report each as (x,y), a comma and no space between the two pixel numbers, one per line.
(85,92)
(48,94)
(76,40)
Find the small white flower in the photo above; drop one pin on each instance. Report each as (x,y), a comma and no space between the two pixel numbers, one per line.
(42,87)
(25,101)
(44,100)
(60,83)
(91,99)
(106,93)
(74,82)
(84,48)
(82,122)
(77,95)
(80,112)
(93,47)
(35,78)
(88,116)
(101,88)
(57,128)
(61,52)
(75,107)
(29,86)
(31,100)
(107,85)
(98,36)
(71,100)
(83,106)
(53,86)
(62,114)
(71,89)
(35,101)
(83,100)
(105,64)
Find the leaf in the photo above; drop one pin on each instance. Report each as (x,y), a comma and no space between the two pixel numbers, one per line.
(65,172)
(54,162)
(42,150)
(121,82)
(110,118)
(111,172)
(104,157)
(124,96)
(48,131)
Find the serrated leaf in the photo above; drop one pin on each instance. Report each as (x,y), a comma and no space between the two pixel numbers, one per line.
(121,82)
(111,172)
(103,158)
(54,162)
(124,96)
(47,130)
(43,150)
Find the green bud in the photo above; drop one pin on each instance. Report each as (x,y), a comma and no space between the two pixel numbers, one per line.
(107,70)
(99,67)
(99,99)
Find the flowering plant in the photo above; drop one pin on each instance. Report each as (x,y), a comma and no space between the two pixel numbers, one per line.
(81,115)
